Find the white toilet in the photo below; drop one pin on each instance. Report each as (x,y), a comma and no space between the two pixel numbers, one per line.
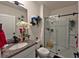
(43,52)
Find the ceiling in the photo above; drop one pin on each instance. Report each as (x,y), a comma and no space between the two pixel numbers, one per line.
(56,4)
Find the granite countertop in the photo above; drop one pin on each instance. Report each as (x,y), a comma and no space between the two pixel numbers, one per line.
(9,53)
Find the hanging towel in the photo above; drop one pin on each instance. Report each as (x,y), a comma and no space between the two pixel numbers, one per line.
(2,39)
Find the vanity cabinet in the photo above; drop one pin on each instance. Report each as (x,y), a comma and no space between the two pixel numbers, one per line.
(28,53)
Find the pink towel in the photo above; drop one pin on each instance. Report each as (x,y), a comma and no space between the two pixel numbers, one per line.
(2,39)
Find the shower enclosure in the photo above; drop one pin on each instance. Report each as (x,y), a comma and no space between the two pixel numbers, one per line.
(59,35)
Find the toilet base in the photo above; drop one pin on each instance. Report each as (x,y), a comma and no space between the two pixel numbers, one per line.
(42,56)
(43,52)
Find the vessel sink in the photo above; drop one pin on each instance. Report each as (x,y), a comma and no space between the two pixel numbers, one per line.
(18,46)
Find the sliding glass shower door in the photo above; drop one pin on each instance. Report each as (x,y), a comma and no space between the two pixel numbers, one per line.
(57,37)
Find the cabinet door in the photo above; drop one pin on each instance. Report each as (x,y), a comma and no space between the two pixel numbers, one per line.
(28,53)
(31,55)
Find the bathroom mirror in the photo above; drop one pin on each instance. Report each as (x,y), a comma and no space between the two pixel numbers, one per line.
(9,14)
(8,24)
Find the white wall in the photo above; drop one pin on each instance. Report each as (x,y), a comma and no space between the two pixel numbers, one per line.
(47,11)
(65,10)
(33,9)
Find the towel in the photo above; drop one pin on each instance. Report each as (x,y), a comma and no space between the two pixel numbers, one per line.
(2,39)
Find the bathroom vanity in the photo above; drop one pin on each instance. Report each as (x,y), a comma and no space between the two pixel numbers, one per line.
(27,51)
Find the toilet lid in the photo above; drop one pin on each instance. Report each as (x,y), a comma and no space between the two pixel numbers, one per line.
(43,50)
